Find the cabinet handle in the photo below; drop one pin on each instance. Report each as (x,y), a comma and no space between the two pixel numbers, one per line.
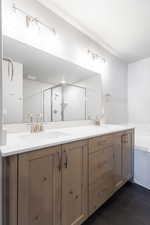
(77,196)
(44,179)
(66,159)
(36,218)
(59,161)
(125,139)
(114,157)
(71,192)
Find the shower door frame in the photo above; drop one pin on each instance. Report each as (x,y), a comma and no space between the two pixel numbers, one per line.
(62,100)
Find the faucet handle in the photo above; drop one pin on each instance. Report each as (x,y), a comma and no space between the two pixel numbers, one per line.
(97,120)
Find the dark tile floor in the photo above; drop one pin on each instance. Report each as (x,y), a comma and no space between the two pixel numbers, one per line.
(129,206)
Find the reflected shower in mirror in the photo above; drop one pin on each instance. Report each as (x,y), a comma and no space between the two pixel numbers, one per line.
(38,83)
(68,102)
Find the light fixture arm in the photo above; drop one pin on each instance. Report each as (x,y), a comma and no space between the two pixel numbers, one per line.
(31,19)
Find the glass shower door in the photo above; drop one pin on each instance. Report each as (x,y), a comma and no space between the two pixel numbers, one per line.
(74,103)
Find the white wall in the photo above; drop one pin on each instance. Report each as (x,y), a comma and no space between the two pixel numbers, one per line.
(115,83)
(139,114)
(73,45)
(139,91)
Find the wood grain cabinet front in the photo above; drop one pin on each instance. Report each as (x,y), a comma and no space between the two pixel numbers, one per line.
(117,151)
(101,176)
(74,183)
(53,187)
(63,185)
(39,187)
(110,166)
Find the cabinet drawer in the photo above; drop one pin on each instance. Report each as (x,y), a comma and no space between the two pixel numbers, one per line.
(100,191)
(99,143)
(100,163)
(95,199)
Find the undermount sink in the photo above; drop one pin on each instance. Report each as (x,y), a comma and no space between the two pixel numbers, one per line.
(44,135)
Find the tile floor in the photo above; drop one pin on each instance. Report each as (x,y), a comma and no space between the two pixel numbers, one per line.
(129,206)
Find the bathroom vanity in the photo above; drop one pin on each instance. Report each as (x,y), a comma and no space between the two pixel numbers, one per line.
(58,176)
(66,180)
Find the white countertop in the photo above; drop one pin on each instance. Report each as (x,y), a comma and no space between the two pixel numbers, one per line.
(24,142)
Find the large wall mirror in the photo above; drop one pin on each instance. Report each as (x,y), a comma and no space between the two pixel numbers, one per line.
(38,83)
(35,81)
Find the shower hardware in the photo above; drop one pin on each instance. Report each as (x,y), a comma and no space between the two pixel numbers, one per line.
(10,71)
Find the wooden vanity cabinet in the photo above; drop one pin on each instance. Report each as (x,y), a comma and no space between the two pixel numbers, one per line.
(47,186)
(101,174)
(53,186)
(63,185)
(39,187)
(110,166)
(74,183)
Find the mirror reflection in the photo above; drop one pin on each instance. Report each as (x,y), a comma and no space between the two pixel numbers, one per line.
(38,84)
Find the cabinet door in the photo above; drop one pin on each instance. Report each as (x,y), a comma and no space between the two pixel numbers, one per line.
(74,183)
(127,155)
(117,148)
(39,187)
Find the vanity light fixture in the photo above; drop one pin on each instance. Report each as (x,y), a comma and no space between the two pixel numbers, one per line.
(30,19)
(96,56)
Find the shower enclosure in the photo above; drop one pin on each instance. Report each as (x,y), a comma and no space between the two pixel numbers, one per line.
(64,102)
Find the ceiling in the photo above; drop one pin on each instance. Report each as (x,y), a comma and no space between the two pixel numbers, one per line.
(121,26)
(42,66)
